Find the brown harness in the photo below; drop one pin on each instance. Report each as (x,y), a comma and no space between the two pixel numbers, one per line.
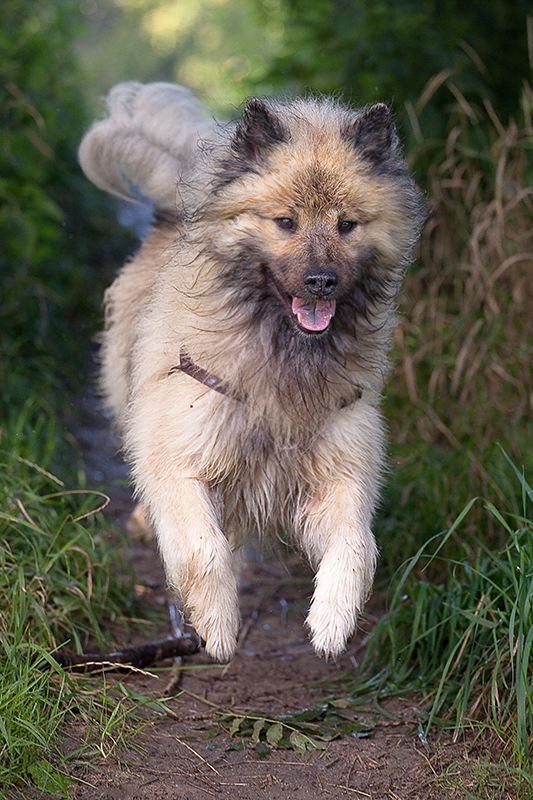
(199,374)
(217,384)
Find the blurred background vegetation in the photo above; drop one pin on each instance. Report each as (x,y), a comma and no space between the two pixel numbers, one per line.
(459,77)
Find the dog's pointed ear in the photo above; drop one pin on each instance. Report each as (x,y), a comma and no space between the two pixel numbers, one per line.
(373,133)
(258,131)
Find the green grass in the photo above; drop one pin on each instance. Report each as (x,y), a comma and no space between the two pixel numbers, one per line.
(60,585)
(52,549)
(459,631)
(33,705)
(464,346)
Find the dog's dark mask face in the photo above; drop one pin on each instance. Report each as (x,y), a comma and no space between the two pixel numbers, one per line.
(310,278)
(313,205)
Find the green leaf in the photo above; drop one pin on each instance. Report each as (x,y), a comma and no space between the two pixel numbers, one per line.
(475,618)
(46,778)
(274,733)
(258,727)
(235,725)
(313,744)
(262,749)
(298,741)
(240,745)
(342,702)
(308,715)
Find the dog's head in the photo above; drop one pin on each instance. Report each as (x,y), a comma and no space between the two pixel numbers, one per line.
(314,212)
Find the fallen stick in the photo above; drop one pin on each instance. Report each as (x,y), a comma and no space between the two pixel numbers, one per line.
(135,657)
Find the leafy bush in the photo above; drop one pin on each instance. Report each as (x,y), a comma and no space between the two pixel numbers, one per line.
(49,217)
(388,50)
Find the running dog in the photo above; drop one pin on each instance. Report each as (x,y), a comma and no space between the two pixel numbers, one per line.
(246,343)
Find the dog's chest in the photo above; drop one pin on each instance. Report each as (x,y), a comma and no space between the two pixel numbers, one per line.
(262,492)
(256,465)
(239,444)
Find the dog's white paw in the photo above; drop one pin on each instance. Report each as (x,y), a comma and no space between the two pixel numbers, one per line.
(330,628)
(343,583)
(219,632)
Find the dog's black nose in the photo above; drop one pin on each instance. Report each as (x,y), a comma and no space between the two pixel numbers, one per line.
(320,284)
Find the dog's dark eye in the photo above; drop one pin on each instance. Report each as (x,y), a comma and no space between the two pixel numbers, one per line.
(287,223)
(346,225)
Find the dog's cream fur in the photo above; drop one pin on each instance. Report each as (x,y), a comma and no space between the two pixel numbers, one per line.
(289,445)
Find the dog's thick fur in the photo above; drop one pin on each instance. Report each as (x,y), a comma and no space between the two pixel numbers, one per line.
(274,266)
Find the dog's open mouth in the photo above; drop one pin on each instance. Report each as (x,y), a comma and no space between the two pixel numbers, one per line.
(313,315)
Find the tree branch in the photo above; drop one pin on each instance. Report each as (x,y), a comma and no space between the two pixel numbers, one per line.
(135,657)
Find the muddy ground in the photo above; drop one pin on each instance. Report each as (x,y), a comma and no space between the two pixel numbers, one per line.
(188,754)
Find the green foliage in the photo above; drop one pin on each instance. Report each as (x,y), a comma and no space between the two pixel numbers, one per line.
(48,214)
(465,642)
(49,556)
(217,49)
(32,706)
(55,574)
(59,583)
(464,345)
(303,731)
(367,50)
(388,50)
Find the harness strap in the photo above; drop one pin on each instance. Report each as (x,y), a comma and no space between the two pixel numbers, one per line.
(217,384)
(199,374)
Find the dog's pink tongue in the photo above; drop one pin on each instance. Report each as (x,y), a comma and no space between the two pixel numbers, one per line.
(313,315)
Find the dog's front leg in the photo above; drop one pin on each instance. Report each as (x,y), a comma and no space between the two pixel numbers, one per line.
(335,524)
(198,560)
(338,538)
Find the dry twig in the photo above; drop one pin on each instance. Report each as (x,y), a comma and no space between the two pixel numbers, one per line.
(131,657)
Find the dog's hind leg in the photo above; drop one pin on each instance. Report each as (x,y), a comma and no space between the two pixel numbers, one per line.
(139,526)
(199,561)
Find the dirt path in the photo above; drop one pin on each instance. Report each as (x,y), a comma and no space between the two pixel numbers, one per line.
(189,754)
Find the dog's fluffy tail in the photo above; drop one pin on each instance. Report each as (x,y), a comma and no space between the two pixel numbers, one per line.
(149,141)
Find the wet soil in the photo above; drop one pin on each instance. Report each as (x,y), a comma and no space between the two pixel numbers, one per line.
(187,754)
